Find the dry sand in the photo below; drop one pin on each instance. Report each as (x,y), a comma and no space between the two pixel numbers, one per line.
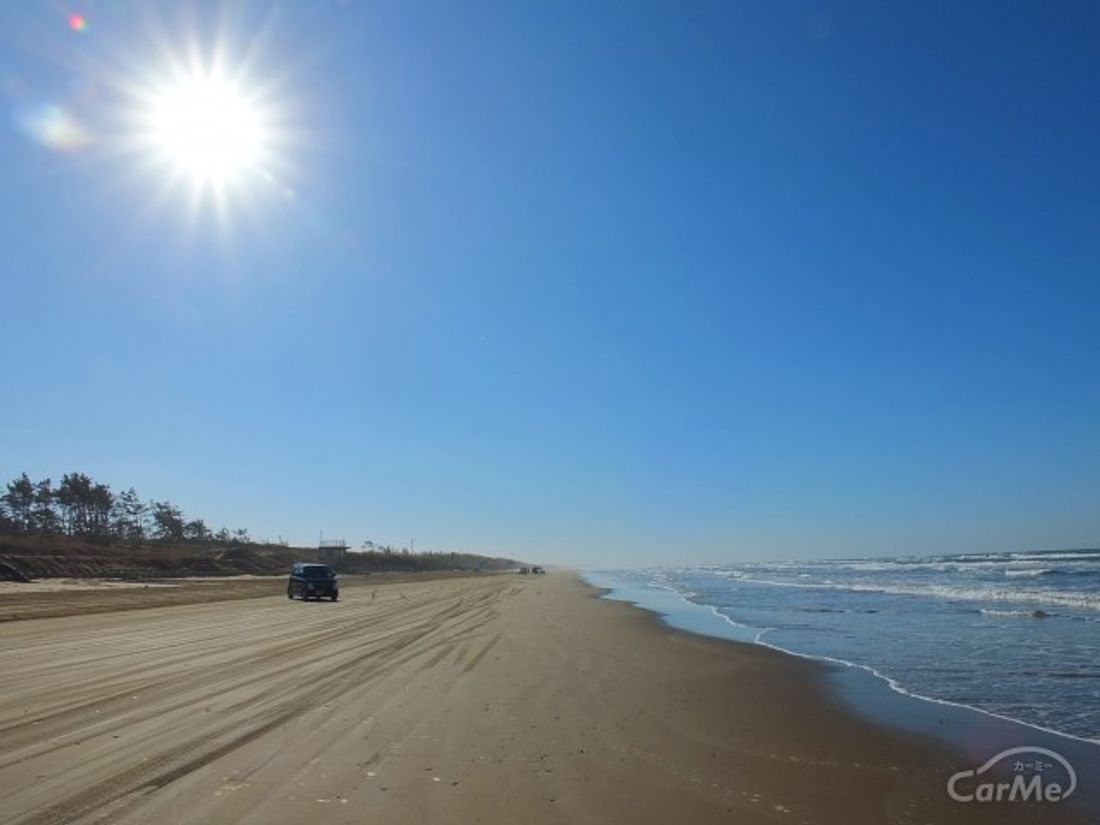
(496,699)
(44,598)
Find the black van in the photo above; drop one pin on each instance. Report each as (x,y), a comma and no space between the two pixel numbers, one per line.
(312,581)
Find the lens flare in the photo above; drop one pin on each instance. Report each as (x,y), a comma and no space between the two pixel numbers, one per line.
(54,127)
(77,22)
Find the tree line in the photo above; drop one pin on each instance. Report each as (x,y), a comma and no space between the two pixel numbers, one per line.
(81,506)
(376,557)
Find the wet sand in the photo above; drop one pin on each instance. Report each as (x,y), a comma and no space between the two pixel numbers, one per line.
(495,699)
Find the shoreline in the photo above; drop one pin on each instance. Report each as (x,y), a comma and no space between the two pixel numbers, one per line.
(864,691)
(671,619)
(489,699)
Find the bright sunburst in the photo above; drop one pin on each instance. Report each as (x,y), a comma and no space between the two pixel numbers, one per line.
(198,116)
(207,128)
(207,119)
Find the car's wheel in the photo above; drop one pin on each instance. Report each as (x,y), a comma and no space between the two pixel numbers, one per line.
(335,596)
(289,593)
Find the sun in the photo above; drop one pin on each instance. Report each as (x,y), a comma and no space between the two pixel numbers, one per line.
(206,128)
(203,122)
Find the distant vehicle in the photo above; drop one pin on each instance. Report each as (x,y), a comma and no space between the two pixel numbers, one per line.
(537,571)
(312,581)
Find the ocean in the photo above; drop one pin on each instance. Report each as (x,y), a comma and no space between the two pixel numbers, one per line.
(1016,635)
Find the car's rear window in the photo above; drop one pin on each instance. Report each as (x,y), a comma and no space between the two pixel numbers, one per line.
(318,572)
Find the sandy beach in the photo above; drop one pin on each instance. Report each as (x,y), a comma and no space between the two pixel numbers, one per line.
(491,699)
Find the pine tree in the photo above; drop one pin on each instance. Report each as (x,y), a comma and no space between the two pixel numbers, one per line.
(44,517)
(20,501)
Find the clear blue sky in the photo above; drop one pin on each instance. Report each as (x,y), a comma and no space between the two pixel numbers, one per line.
(592,283)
